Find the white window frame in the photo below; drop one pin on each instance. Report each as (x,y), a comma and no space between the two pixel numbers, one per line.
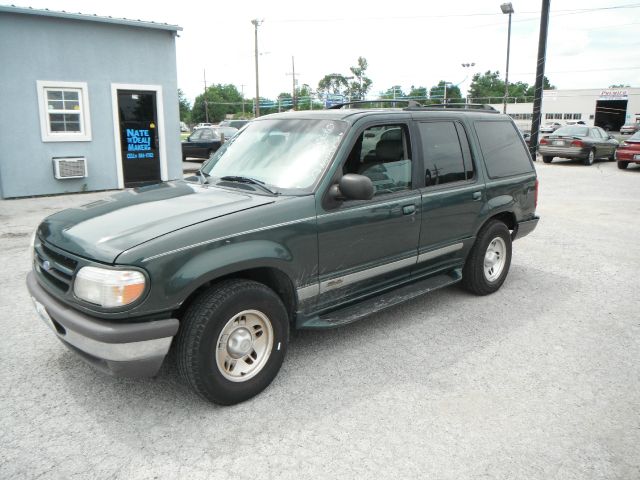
(85,116)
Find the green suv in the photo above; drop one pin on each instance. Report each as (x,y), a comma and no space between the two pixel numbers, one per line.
(303,220)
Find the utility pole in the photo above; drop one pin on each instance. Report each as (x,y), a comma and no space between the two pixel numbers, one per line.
(537,99)
(294,96)
(242,85)
(204,98)
(256,23)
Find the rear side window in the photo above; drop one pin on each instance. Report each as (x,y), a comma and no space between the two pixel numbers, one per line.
(442,153)
(503,150)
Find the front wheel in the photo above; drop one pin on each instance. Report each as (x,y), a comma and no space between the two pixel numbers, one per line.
(232,341)
(488,262)
(622,165)
(547,159)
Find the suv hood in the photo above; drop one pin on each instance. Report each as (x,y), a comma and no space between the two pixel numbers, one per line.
(103,229)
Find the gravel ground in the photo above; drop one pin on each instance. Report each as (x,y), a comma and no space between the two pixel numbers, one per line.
(538,381)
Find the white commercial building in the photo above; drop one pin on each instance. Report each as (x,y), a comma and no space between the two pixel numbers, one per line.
(609,108)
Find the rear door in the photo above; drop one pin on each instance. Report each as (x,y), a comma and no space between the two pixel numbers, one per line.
(452,196)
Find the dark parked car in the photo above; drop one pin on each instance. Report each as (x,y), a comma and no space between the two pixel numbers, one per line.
(233,123)
(579,142)
(630,128)
(294,225)
(629,151)
(205,140)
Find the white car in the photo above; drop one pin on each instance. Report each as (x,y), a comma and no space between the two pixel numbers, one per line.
(550,127)
(203,125)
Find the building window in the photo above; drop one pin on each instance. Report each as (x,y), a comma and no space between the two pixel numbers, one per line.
(64,111)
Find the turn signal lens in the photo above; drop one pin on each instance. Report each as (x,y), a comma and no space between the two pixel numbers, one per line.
(109,288)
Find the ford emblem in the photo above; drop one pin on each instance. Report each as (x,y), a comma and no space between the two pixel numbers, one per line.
(46,266)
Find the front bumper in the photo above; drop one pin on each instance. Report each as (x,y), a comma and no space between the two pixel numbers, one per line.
(122,349)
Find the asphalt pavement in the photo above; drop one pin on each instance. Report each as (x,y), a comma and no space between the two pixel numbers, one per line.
(540,380)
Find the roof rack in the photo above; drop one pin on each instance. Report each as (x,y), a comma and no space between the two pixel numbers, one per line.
(411,103)
(456,106)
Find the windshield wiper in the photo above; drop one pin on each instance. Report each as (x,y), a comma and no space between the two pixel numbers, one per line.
(249,180)
(204,176)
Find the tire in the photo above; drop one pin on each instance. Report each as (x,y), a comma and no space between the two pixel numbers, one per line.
(590,158)
(622,165)
(477,277)
(547,159)
(251,321)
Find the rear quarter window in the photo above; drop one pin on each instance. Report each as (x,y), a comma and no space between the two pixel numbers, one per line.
(503,150)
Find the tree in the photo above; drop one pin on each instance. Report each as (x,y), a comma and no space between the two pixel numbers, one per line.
(393,92)
(418,93)
(489,88)
(361,83)
(334,84)
(486,87)
(184,107)
(437,92)
(221,100)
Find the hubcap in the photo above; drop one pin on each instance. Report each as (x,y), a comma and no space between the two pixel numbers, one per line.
(494,259)
(244,345)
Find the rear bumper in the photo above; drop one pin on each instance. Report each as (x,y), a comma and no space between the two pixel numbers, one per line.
(525,228)
(564,152)
(122,349)
(626,156)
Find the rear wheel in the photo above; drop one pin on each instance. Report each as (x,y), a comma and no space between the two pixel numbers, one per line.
(622,165)
(590,158)
(232,341)
(488,262)
(547,159)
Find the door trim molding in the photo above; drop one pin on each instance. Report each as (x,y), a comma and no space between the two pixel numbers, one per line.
(157,89)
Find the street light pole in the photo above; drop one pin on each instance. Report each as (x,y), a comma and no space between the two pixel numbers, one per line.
(256,23)
(467,65)
(507,8)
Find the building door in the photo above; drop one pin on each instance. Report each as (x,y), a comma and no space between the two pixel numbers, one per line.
(139,140)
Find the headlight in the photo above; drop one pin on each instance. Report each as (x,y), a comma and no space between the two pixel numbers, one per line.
(108,288)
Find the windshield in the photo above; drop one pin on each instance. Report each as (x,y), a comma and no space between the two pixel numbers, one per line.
(283,153)
(573,131)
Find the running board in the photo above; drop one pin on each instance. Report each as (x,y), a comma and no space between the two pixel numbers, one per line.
(381,302)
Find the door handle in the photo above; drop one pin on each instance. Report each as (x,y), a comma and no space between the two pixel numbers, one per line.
(477,195)
(408,209)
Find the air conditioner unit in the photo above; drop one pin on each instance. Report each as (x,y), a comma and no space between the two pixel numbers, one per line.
(70,167)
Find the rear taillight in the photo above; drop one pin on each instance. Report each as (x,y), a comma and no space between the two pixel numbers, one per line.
(544,141)
(535,195)
(577,143)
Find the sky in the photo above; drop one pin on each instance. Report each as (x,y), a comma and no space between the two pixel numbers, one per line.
(591,44)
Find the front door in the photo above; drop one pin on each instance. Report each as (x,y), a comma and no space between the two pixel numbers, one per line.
(139,140)
(366,246)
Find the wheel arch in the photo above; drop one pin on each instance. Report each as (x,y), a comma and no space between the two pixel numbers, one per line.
(270,276)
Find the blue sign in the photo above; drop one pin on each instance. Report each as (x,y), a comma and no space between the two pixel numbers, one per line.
(138,141)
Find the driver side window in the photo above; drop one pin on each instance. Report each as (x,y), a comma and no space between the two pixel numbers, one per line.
(382,153)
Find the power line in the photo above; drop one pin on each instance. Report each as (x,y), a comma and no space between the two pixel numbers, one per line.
(453,15)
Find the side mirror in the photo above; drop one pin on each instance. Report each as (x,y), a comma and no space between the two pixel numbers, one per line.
(353,187)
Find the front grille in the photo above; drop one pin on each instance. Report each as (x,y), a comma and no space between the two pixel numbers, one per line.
(54,266)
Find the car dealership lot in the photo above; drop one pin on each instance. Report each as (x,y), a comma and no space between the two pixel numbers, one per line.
(539,380)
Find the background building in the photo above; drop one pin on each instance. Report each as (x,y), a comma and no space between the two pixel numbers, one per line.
(88,103)
(609,108)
